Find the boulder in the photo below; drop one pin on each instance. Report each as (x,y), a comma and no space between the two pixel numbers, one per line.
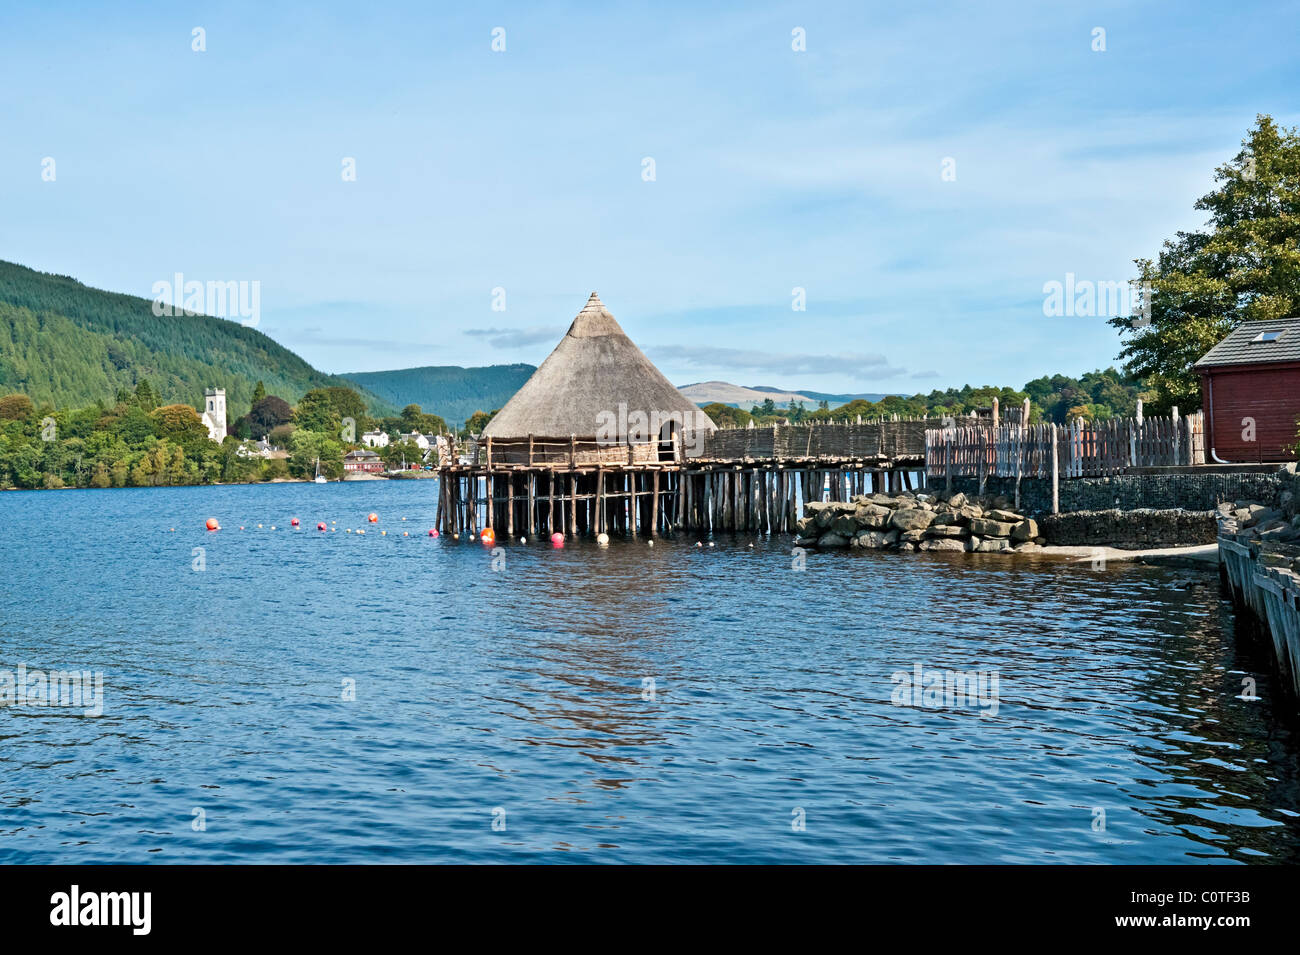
(804,526)
(912,537)
(805,542)
(946,531)
(845,525)
(873,540)
(872,516)
(1009,517)
(973,543)
(1026,547)
(943,544)
(1025,530)
(911,519)
(831,539)
(990,528)
(957,501)
(907,548)
(993,545)
(820,511)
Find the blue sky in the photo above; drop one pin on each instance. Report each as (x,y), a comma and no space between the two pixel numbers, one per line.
(522,170)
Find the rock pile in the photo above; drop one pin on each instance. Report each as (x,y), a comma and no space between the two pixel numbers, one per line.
(1248,520)
(909,522)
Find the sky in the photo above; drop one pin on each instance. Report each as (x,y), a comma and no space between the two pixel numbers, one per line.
(919,171)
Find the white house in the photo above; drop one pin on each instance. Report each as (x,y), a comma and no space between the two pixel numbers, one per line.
(214,413)
(418,439)
(375,439)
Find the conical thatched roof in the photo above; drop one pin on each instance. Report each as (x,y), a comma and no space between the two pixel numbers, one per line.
(595,369)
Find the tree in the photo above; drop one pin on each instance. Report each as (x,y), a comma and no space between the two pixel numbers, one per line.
(1244,266)
(179,423)
(478,421)
(414,419)
(316,413)
(268,413)
(144,394)
(16,407)
(307,447)
(725,416)
(259,392)
(400,452)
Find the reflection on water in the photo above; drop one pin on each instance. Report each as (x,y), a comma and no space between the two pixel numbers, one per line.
(626,703)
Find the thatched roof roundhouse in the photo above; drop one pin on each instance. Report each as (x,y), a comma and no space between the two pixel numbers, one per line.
(599,387)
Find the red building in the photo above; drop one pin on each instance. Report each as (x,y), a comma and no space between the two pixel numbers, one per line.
(1250,391)
(363,460)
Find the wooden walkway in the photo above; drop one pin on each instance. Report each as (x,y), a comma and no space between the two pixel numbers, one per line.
(742,479)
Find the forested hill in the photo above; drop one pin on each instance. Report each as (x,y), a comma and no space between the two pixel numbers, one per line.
(450,390)
(71,345)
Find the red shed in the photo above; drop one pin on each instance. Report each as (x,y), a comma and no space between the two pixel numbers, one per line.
(1250,391)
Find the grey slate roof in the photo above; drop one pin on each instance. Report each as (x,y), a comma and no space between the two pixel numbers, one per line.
(1239,349)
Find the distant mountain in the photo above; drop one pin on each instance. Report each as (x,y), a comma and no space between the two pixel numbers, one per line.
(448,390)
(834,400)
(72,345)
(724,392)
(741,396)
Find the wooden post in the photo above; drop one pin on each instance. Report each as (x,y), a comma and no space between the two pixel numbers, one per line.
(532,526)
(654,504)
(600,502)
(1056,478)
(573,502)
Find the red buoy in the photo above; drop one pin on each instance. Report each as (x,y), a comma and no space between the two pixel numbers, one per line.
(320,526)
(294,522)
(212,524)
(433,532)
(557,539)
(373,518)
(488,536)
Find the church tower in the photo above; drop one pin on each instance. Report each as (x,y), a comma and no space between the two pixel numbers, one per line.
(214,413)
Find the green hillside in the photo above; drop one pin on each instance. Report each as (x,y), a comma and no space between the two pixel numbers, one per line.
(71,345)
(449,390)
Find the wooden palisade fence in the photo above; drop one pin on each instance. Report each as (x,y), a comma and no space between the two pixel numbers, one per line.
(1075,450)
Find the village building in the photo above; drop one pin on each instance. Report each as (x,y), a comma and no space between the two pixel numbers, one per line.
(363,461)
(375,439)
(1250,393)
(214,413)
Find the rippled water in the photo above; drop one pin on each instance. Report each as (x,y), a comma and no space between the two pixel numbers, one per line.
(521,689)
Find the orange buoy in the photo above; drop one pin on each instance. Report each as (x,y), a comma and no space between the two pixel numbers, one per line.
(373,518)
(294,522)
(488,536)
(212,524)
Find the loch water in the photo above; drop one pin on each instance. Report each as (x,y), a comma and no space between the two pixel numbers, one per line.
(626,703)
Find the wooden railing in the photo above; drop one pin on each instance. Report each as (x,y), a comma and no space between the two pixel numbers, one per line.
(1075,450)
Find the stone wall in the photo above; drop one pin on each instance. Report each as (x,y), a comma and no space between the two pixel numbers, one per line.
(1128,492)
(1131,530)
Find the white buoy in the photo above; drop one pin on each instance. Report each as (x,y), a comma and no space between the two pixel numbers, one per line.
(602,539)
